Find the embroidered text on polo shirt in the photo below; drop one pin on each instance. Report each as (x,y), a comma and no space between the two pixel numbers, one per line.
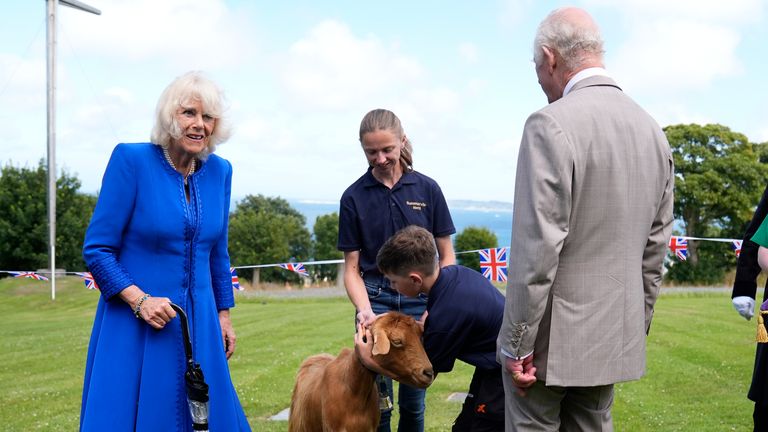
(415,205)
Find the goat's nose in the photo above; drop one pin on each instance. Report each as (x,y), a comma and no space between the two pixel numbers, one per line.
(429,373)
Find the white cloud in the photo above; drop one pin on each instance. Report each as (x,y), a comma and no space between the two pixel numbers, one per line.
(23,96)
(708,10)
(678,46)
(438,100)
(331,68)
(253,128)
(512,12)
(120,94)
(476,86)
(22,82)
(761,136)
(196,34)
(670,113)
(468,52)
(671,56)
(116,116)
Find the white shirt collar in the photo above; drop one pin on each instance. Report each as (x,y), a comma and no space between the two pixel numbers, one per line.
(582,74)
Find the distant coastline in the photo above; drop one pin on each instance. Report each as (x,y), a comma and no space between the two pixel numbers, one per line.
(471,205)
(494,215)
(481,206)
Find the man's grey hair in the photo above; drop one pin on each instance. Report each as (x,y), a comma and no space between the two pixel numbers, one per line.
(575,44)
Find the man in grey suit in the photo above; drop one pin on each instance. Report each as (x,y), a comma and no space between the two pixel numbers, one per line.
(592,218)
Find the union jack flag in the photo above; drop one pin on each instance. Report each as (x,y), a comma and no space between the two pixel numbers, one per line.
(493,263)
(736,245)
(30,275)
(295,267)
(235,279)
(679,247)
(88,280)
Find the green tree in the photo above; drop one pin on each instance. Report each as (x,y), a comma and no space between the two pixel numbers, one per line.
(266,230)
(24,219)
(762,151)
(326,234)
(473,238)
(719,180)
(715,259)
(276,205)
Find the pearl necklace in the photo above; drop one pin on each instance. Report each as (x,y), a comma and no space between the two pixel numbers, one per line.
(191,169)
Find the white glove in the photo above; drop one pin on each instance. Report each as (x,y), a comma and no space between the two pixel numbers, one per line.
(745,306)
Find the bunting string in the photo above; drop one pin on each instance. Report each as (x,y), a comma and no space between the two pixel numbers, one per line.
(493,262)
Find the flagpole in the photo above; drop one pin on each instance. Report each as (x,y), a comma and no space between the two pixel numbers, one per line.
(52,6)
(51,103)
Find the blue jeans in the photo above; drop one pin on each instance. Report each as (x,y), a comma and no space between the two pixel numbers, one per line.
(410,400)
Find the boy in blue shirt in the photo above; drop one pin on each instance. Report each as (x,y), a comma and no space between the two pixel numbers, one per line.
(462,321)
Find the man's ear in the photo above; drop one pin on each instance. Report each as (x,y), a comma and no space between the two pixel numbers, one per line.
(550,57)
(415,278)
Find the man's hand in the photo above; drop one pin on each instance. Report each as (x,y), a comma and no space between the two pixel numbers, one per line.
(745,306)
(523,373)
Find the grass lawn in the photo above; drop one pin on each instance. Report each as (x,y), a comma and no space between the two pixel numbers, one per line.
(700,356)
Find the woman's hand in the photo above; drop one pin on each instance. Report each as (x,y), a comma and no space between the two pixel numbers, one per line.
(366,317)
(364,347)
(227,332)
(155,311)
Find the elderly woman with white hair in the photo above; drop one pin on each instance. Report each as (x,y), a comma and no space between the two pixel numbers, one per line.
(159,235)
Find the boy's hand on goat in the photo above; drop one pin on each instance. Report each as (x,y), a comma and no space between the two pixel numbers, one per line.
(422,320)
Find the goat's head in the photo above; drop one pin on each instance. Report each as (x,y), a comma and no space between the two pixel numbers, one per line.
(398,350)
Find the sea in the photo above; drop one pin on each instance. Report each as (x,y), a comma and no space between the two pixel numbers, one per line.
(494,215)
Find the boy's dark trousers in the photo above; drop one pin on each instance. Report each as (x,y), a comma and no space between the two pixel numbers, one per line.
(483,409)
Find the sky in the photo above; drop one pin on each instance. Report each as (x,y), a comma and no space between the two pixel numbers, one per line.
(300,75)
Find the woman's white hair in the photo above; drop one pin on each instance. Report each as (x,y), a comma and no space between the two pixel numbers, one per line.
(576,44)
(184,89)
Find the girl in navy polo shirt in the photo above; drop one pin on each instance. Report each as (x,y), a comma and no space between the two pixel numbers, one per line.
(388,197)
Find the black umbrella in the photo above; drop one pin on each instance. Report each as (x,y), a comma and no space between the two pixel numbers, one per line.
(197,389)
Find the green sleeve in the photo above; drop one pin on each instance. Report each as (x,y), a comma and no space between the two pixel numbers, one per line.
(761,235)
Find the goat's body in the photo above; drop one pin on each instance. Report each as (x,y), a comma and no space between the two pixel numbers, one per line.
(334,394)
(338,394)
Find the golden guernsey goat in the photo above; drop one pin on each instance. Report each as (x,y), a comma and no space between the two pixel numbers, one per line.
(339,394)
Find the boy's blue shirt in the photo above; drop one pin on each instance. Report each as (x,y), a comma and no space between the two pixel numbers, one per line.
(465,314)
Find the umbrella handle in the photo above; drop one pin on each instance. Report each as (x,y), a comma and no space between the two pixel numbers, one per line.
(184,330)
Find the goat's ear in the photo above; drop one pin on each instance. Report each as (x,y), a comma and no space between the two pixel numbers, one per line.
(380,342)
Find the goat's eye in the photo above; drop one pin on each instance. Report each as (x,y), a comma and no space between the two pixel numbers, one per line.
(397,342)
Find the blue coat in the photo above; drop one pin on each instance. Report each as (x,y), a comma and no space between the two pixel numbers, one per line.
(144,232)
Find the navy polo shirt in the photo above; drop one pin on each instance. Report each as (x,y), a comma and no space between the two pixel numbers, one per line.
(370,213)
(465,314)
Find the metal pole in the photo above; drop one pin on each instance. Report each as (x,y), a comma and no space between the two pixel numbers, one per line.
(75,4)
(51,31)
(51,103)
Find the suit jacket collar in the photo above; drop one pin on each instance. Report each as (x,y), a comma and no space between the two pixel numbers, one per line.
(593,81)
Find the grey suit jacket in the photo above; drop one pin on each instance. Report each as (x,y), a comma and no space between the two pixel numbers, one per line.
(592,218)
